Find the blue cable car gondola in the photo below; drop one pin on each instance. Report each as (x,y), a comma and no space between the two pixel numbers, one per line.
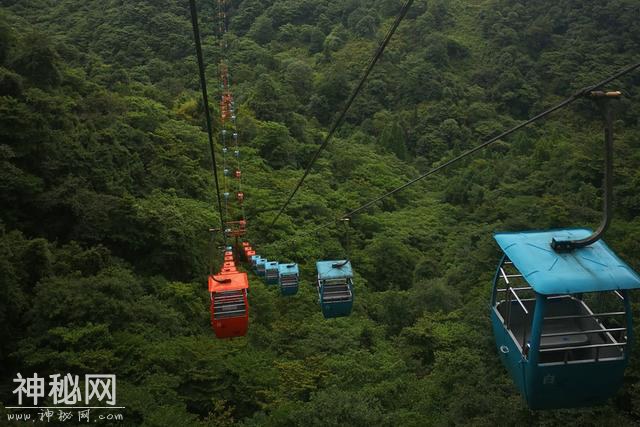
(260,266)
(560,350)
(254,260)
(288,278)
(271,273)
(560,307)
(335,288)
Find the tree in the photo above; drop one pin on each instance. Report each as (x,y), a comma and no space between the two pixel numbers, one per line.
(390,264)
(300,76)
(6,41)
(392,138)
(39,60)
(262,30)
(276,145)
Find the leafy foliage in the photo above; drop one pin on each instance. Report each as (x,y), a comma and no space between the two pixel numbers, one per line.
(106,199)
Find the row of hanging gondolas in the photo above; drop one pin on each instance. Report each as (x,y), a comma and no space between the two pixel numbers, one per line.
(228,289)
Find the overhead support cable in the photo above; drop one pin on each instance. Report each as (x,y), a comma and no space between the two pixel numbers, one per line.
(205,100)
(581,93)
(236,224)
(352,97)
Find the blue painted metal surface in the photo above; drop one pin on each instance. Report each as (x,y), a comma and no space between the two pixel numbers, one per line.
(254,260)
(590,269)
(271,273)
(587,381)
(334,269)
(335,288)
(288,278)
(553,386)
(260,266)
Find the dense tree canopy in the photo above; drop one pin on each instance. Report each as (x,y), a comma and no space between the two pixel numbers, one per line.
(107,197)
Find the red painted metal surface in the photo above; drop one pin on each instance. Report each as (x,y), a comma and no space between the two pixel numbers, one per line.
(229,304)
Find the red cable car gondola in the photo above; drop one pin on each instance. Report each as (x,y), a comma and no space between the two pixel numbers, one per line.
(229,304)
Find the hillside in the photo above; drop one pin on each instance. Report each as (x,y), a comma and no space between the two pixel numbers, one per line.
(107,198)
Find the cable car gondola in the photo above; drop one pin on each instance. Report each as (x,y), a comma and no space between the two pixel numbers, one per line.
(564,344)
(246,247)
(229,304)
(288,278)
(260,266)
(271,273)
(560,350)
(335,288)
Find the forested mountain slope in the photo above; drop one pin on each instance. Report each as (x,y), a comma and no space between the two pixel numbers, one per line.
(107,197)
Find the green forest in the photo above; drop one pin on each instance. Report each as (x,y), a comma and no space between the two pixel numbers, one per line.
(107,199)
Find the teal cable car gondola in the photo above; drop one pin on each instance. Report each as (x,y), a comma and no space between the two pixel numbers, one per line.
(254,260)
(288,278)
(560,307)
(561,349)
(335,288)
(260,266)
(271,273)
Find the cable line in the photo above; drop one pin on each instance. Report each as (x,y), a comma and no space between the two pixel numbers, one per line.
(471,151)
(508,132)
(205,99)
(236,224)
(353,96)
